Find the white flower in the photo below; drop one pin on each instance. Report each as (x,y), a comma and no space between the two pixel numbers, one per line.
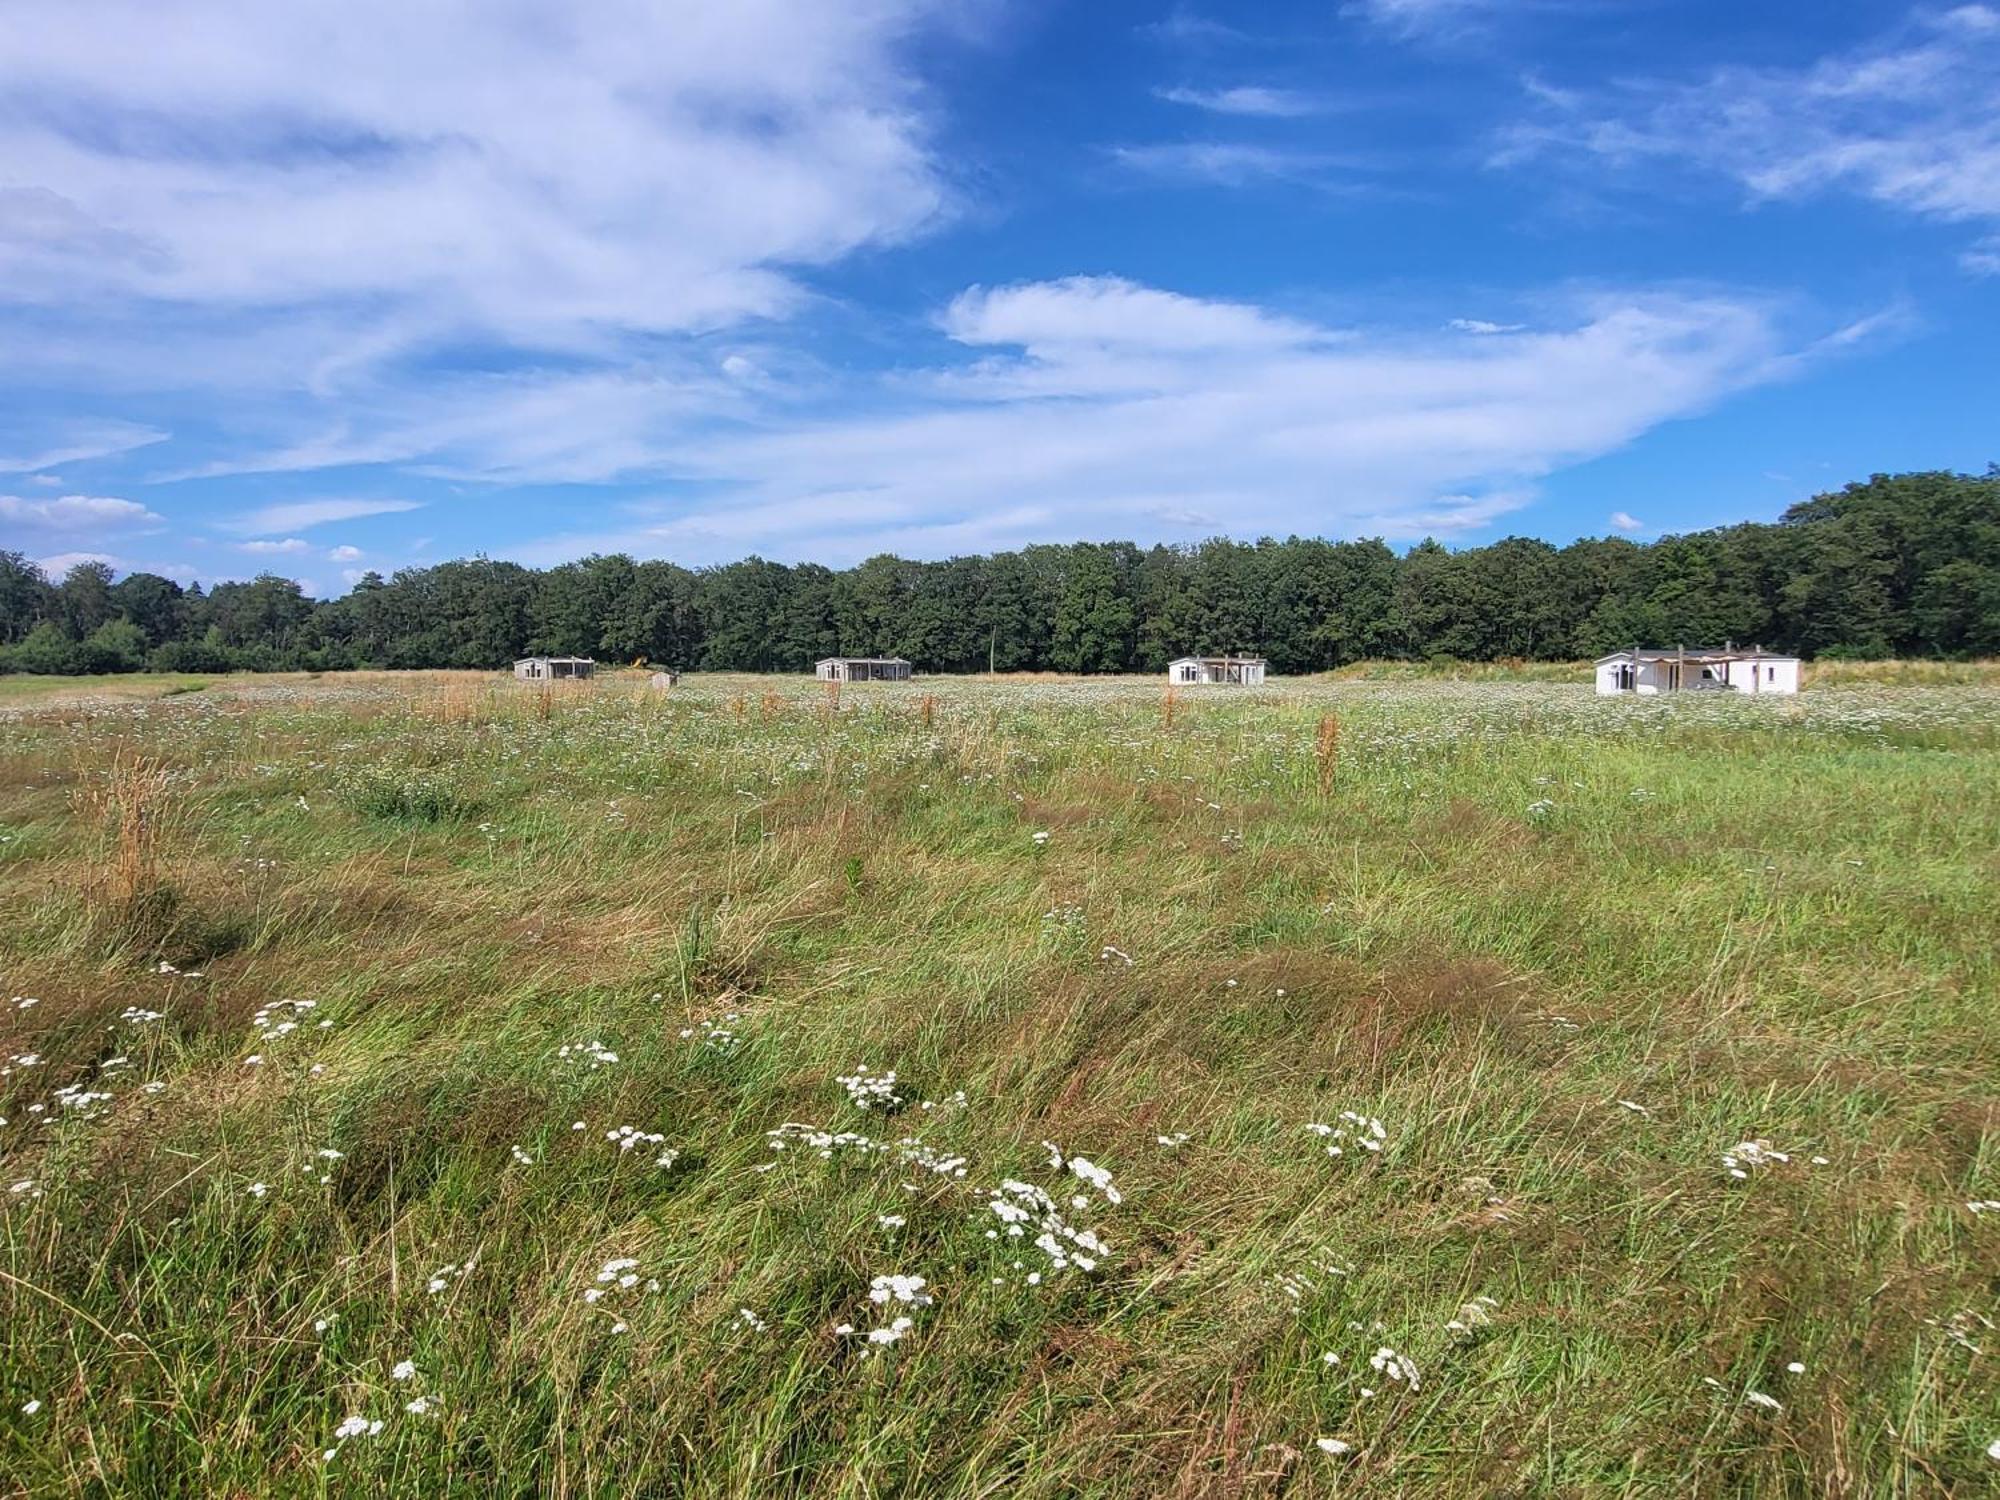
(1333,1447)
(403,1370)
(1758,1398)
(868,1090)
(893,1288)
(1993,1450)
(1795,1368)
(29,1408)
(419,1407)
(1041,838)
(1387,1361)
(259,1189)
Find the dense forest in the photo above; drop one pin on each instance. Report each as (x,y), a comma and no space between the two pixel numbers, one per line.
(1904,565)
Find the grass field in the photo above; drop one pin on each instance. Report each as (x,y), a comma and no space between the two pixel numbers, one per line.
(428,1085)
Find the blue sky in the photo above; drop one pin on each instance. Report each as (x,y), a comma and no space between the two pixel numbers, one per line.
(320,288)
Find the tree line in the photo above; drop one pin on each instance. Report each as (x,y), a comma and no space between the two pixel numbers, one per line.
(1903,565)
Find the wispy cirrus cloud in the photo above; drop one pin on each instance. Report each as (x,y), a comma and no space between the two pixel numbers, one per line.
(1425,18)
(1236,163)
(303,515)
(73,441)
(1911,121)
(1246,99)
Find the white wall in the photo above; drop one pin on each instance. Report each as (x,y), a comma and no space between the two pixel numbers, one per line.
(1780,677)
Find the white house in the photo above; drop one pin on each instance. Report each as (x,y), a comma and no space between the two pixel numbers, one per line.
(1731,669)
(863,669)
(542,668)
(1247,671)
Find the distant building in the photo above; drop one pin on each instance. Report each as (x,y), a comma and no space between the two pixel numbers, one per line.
(1698,669)
(863,669)
(1246,671)
(542,668)
(659,682)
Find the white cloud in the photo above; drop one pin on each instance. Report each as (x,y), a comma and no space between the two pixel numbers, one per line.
(1248,99)
(303,515)
(1098,408)
(541,179)
(1049,318)
(1232,163)
(1481,326)
(1621,521)
(1911,121)
(59,563)
(1183,27)
(290,545)
(75,441)
(344,554)
(1412,18)
(76,514)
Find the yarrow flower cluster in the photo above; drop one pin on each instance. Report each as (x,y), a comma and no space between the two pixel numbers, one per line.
(628,1137)
(615,1279)
(869,1090)
(1388,1362)
(1088,1171)
(717,1036)
(911,1152)
(441,1279)
(1026,1212)
(890,1292)
(1354,1129)
(823,1143)
(595,1053)
(282,1017)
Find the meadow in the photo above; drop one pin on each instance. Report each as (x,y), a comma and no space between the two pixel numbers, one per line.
(428,1084)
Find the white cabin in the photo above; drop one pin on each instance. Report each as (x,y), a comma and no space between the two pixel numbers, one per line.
(863,669)
(1685,669)
(543,668)
(1246,671)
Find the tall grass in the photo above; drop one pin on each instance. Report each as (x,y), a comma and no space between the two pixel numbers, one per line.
(1570,954)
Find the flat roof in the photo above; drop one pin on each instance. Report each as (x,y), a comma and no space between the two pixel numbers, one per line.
(1697,653)
(867,661)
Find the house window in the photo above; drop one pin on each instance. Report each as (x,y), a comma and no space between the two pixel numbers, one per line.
(1770,674)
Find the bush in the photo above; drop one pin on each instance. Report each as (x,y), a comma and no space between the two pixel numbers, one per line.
(115,646)
(45,651)
(188,656)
